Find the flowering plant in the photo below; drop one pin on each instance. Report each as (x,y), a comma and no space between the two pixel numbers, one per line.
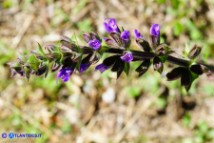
(69,57)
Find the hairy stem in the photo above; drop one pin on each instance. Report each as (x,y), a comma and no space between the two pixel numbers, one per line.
(151,55)
(178,61)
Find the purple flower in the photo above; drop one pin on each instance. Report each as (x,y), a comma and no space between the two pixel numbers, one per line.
(137,34)
(127,57)
(125,35)
(64,73)
(155,30)
(84,67)
(110,25)
(95,44)
(101,67)
(155,33)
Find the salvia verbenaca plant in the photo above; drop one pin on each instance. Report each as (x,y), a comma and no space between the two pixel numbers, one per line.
(69,56)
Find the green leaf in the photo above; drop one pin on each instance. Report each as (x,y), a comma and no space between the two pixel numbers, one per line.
(195,34)
(161,102)
(133,91)
(33,62)
(126,68)
(79,62)
(210,134)
(178,29)
(57,56)
(161,1)
(186,120)
(40,49)
(203,127)
(194,76)
(208,89)
(48,69)
(8,3)
(66,127)
(175,3)
(27,72)
(77,47)
(84,25)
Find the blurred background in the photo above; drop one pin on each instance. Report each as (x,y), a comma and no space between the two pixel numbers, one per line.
(95,108)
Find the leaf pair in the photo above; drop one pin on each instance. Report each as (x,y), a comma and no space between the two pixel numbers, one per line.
(143,44)
(143,68)
(187,75)
(116,64)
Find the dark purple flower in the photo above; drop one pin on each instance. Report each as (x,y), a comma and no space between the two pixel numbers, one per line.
(64,73)
(155,34)
(95,44)
(101,67)
(127,57)
(110,25)
(137,34)
(125,35)
(155,30)
(84,67)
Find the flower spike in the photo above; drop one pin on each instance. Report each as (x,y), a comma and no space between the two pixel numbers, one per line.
(69,56)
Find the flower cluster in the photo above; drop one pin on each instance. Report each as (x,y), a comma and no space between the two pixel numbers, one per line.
(69,57)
